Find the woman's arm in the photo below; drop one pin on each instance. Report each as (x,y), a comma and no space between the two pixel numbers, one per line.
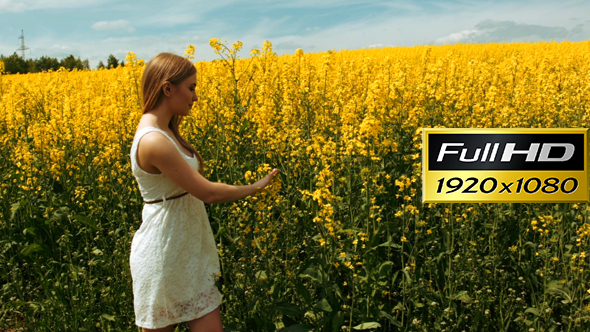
(160,152)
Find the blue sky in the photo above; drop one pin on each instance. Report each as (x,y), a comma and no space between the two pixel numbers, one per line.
(93,29)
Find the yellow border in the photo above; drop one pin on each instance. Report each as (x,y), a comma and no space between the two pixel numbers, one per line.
(505,174)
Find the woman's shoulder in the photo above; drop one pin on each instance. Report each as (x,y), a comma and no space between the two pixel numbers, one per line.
(154,128)
(144,127)
(153,139)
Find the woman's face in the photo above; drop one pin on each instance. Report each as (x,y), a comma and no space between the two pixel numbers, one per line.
(184,95)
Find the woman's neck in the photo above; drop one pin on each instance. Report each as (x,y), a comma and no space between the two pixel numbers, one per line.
(158,118)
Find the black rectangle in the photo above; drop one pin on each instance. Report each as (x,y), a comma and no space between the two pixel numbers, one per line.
(460,151)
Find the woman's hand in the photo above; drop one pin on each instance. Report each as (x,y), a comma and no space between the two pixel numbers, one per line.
(265,180)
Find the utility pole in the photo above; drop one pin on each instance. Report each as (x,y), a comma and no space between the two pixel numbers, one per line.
(22,47)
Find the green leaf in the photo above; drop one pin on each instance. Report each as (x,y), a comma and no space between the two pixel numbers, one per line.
(243,127)
(554,285)
(303,291)
(311,273)
(391,319)
(86,221)
(289,309)
(386,265)
(31,248)
(297,328)
(324,305)
(337,321)
(29,230)
(250,306)
(533,311)
(408,278)
(221,231)
(463,296)
(367,326)
(15,208)
(108,317)
(337,291)
(390,244)
(261,275)
(440,256)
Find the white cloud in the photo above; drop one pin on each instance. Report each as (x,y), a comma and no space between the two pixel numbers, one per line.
(56,50)
(120,25)
(24,5)
(325,4)
(509,31)
(169,19)
(457,36)
(59,47)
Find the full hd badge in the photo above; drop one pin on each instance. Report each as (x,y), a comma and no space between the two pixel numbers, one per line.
(505,165)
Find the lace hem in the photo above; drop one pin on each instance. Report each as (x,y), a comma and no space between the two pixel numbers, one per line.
(157,315)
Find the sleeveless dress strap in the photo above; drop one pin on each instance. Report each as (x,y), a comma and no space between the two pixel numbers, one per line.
(136,140)
(168,136)
(138,137)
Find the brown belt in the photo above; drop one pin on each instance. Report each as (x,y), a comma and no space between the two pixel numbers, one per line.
(161,200)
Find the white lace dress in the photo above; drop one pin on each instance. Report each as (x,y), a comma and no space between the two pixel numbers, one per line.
(174,260)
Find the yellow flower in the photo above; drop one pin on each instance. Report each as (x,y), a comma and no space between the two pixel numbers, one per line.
(237,46)
(267,46)
(215,43)
(189,53)
(404,239)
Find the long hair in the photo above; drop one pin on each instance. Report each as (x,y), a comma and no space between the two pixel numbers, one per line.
(174,69)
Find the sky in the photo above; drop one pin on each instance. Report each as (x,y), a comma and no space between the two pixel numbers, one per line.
(94,29)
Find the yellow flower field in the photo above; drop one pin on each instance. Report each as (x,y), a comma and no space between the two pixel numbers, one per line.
(340,241)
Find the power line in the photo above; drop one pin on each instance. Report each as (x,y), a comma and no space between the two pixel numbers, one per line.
(22,47)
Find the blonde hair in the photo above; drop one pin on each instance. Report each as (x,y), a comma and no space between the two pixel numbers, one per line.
(174,69)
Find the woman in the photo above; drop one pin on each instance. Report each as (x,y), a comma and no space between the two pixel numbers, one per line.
(174,262)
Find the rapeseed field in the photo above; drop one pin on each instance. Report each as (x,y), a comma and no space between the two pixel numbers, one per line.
(340,241)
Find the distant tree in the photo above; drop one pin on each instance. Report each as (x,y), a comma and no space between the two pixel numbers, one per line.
(14,64)
(31,66)
(100,65)
(112,62)
(46,63)
(71,63)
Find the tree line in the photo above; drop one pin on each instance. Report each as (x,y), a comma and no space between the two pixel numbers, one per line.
(15,64)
